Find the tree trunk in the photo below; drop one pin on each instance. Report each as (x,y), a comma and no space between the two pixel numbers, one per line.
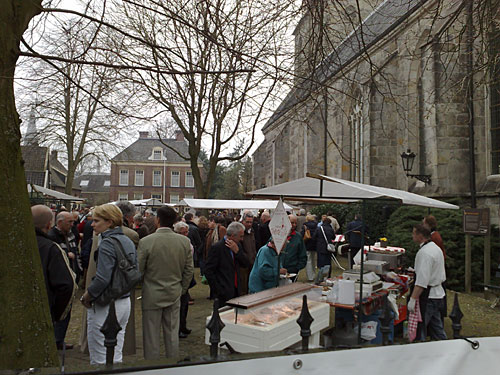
(26,332)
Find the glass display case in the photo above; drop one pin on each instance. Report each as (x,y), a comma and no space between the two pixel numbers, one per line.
(267,321)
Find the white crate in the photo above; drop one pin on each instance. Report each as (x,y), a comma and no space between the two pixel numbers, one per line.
(246,338)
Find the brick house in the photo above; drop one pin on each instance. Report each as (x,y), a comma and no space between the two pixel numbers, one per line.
(149,169)
(95,187)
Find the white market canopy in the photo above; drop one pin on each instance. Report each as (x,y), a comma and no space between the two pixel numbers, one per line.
(53,193)
(150,202)
(231,204)
(320,188)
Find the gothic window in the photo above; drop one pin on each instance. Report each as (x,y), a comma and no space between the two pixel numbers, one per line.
(357,142)
(495,102)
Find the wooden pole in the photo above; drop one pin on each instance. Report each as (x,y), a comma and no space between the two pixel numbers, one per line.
(468,250)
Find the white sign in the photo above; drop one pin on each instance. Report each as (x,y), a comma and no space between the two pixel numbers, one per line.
(280,226)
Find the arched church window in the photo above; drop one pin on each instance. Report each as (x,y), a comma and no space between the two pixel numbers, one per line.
(357,141)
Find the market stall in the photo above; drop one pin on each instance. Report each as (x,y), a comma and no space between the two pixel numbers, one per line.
(230,204)
(327,189)
(42,195)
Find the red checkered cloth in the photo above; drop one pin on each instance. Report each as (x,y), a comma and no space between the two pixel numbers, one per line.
(413,319)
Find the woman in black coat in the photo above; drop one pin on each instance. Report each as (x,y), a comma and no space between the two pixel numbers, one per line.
(324,256)
(310,224)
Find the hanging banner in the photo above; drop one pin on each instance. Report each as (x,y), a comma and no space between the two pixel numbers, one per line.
(280,226)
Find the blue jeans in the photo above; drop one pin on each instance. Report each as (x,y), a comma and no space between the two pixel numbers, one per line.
(433,326)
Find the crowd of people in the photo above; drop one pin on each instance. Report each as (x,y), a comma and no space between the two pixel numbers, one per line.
(235,253)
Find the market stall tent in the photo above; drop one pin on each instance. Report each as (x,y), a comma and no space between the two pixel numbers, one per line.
(321,188)
(52,194)
(231,204)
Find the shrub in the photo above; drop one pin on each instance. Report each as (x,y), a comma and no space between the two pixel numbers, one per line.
(399,229)
(376,215)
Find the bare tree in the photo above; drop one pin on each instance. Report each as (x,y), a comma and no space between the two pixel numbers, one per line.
(213,111)
(84,109)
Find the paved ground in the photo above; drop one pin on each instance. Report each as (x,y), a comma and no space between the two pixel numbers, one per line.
(479,320)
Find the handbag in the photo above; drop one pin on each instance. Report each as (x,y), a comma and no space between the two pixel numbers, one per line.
(329,246)
(125,277)
(307,234)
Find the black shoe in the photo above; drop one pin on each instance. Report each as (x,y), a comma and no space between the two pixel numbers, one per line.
(182,335)
(187,331)
(68,346)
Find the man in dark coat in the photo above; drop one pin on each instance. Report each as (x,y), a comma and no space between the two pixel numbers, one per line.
(353,235)
(264,232)
(194,236)
(61,234)
(59,278)
(222,269)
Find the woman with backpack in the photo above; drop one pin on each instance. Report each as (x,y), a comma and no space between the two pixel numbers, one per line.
(107,221)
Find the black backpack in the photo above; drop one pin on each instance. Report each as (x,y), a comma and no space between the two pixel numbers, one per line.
(126,276)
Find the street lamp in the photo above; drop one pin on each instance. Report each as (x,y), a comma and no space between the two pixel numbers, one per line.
(408,158)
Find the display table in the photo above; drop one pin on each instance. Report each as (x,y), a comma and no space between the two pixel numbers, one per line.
(267,321)
(371,308)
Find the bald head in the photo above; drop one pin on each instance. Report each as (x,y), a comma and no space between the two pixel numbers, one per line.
(42,217)
(265,217)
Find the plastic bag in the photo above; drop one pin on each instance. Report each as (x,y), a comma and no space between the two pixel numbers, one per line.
(369,330)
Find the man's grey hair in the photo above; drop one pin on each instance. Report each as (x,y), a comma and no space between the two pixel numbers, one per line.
(179,225)
(127,208)
(42,215)
(234,228)
(61,216)
(139,218)
(247,213)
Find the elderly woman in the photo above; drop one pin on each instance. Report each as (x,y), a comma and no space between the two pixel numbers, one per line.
(107,221)
(183,229)
(266,269)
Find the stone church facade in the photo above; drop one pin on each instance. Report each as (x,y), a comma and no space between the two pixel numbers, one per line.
(398,81)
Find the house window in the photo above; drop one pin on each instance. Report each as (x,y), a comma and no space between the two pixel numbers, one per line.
(189,179)
(84,183)
(107,183)
(157,178)
(139,178)
(176,179)
(158,154)
(156,196)
(188,196)
(174,198)
(124,177)
(357,142)
(138,196)
(123,196)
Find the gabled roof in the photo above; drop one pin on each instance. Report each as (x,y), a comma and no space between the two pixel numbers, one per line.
(142,149)
(389,15)
(95,182)
(35,158)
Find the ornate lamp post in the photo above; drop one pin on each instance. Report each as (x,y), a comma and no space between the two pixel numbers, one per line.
(408,158)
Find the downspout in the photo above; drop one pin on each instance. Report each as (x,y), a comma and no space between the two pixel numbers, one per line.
(470,102)
(325,136)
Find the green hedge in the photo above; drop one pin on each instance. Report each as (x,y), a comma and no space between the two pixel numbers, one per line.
(376,215)
(396,223)
(399,229)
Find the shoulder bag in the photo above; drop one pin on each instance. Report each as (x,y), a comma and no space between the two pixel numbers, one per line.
(125,277)
(307,233)
(329,246)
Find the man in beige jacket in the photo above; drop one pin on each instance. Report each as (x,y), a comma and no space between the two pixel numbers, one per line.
(166,262)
